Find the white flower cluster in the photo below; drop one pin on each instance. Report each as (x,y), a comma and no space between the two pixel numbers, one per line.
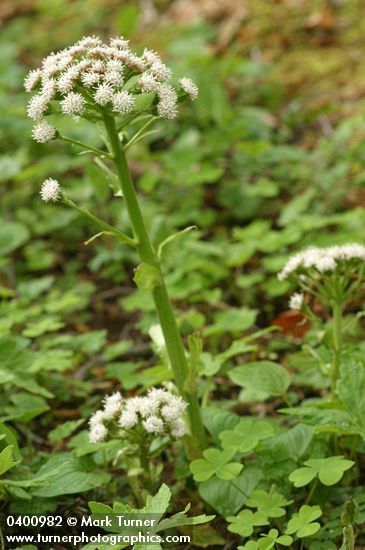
(91,74)
(322,259)
(296,301)
(50,190)
(158,413)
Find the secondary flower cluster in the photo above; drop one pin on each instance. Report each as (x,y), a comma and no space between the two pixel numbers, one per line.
(50,190)
(91,75)
(158,413)
(322,259)
(296,301)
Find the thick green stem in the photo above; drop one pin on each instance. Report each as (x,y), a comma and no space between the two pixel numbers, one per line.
(337,341)
(174,345)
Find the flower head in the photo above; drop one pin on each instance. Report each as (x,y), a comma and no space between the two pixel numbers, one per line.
(103,94)
(322,259)
(32,79)
(296,301)
(158,413)
(68,75)
(98,433)
(189,87)
(123,102)
(112,405)
(43,132)
(37,106)
(178,428)
(153,425)
(50,190)
(167,105)
(73,104)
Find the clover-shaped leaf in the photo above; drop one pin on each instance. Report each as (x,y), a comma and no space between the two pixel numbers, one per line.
(303,523)
(215,462)
(246,435)
(267,542)
(329,470)
(268,503)
(244,523)
(250,545)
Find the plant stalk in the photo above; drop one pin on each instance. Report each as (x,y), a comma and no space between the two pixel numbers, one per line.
(174,344)
(337,341)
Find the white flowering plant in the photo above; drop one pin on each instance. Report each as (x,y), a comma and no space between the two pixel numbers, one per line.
(333,276)
(144,425)
(122,93)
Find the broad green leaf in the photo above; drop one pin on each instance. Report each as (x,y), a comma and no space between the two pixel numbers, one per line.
(159,502)
(64,430)
(227,497)
(216,420)
(12,236)
(262,376)
(6,459)
(26,407)
(351,391)
(71,477)
(232,320)
(43,325)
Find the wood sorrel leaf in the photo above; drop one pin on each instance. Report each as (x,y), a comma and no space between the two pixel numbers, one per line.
(247,434)
(303,523)
(329,470)
(215,462)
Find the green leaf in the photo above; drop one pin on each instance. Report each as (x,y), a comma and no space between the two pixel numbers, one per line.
(64,430)
(215,462)
(232,320)
(329,470)
(43,325)
(302,476)
(348,541)
(271,504)
(269,541)
(291,444)
(246,435)
(71,476)
(159,502)
(147,276)
(226,497)
(250,545)
(216,420)
(303,523)
(262,376)
(26,407)
(351,391)
(12,236)
(244,523)
(6,459)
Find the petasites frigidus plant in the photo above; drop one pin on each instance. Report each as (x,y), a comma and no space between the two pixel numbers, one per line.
(123,94)
(333,276)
